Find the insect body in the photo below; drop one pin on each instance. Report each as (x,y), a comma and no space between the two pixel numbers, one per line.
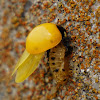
(56,62)
(40,39)
(59,59)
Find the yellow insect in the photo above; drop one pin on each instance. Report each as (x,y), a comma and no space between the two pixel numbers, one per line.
(39,40)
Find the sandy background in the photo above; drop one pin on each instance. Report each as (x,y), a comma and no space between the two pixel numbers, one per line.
(80,18)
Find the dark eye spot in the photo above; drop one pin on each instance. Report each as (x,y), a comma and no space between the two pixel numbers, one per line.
(52,58)
(56,70)
(53,63)
(63,69)
(64,80)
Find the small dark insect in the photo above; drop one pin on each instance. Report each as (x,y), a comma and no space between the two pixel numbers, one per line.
(59,58)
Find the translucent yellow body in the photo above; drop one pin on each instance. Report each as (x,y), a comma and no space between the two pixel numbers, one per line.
(42,38)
